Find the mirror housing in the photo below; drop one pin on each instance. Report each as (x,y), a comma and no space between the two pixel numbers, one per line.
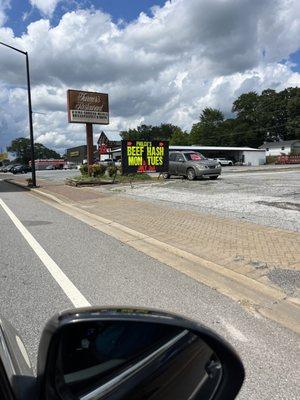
(224,367)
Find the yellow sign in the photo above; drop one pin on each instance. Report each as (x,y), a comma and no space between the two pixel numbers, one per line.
(3,156)
(74,153)
(145,156)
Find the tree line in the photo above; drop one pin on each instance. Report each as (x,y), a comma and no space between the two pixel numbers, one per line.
(268,117)
(21,147)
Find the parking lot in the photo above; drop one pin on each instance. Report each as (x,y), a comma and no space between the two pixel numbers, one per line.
(263,195)
(59,175)
(270,198)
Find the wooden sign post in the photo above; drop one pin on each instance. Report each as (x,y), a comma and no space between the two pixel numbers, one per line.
(90,147)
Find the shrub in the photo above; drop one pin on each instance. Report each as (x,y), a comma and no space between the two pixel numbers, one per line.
(98,170)
(112,170)
(84,169)
(271,159)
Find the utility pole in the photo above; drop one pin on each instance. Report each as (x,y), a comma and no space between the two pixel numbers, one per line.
(33,174)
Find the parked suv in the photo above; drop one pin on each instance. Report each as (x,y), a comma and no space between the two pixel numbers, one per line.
(224,161)
(192,165)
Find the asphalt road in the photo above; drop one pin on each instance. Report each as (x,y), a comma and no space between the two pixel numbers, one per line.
(267,198)
(107,272)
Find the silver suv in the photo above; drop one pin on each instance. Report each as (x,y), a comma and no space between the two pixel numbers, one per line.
(192,164)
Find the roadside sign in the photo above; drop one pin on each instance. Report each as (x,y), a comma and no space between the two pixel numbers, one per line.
(3,156)
(145,156)
(103,149)
(88,107)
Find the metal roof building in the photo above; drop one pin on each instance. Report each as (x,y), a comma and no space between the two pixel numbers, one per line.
(244,155)
(283,147)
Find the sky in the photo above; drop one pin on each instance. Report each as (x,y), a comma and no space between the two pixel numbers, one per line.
(159,61)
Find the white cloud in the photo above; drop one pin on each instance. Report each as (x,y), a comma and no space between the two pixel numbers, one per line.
(46,7)
(190,54)
(4,5)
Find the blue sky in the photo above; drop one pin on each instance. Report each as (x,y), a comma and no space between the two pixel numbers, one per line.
(126,10)
(165,67)
(21,13)
(295,59)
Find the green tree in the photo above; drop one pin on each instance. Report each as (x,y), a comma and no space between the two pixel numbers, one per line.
(270,116)
(293,113)
(211,117)
(245,107)
(149,132)
(206,131)
(180,138)
(142,132)
(43,152)
(21,147)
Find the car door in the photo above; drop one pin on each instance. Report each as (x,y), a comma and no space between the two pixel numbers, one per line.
(17,380)
(172,164)
(180,164)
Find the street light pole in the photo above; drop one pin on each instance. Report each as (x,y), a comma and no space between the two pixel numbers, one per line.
(30,113)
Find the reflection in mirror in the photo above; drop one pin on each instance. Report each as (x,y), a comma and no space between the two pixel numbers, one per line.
(134,360)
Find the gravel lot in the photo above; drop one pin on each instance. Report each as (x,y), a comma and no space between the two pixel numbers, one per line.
(267,198)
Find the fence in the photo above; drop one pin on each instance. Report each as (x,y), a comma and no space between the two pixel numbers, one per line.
(288,159)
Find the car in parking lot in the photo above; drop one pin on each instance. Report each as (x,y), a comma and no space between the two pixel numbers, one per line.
(8,168)
(49,167)
(20,169)
(110,161)
(223,161)
(192,165)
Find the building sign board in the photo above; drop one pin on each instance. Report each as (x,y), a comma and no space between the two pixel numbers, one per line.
(145,156)
(88,107)
(74,153)
(103,149)
(3,156)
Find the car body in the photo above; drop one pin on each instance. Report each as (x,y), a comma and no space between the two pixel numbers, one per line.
(8,168)
(20,169)
(109,161)
(70,165)
(49,167)
(120,353)
(223,161)
(192,164)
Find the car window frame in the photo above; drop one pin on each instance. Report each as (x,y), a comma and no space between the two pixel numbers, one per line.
(181,156)
(172,154)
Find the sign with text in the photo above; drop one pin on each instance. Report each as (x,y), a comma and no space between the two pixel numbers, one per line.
(3,156)
(88,107)
(103,149)
(145,156)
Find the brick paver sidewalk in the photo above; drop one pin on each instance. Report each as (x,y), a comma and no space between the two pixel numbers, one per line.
(245,247)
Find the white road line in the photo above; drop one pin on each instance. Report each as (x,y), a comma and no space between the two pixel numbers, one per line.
(64,282)
(234,332)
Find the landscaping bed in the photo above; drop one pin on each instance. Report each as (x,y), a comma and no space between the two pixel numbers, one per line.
(85,180)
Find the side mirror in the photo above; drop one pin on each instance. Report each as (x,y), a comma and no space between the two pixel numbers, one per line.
(126,353)
(181,160)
